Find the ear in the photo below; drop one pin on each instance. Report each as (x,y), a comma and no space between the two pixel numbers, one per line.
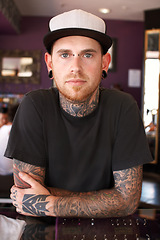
(48,60)
(106,61)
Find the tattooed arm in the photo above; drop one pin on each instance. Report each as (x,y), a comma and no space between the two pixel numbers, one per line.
(122,200)
(38,173)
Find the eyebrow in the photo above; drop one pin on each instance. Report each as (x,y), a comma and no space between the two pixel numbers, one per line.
(82,51)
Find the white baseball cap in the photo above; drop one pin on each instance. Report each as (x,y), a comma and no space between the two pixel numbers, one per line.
(77,23)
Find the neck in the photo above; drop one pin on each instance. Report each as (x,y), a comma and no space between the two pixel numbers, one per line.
(80,109)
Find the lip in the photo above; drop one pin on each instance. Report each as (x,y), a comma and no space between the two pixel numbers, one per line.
(76,82)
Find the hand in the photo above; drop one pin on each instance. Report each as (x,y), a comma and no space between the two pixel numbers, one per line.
(31,201)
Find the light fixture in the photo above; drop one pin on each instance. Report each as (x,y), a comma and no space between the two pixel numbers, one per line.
(104,10)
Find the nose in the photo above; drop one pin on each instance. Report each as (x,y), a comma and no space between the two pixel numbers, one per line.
(76,63)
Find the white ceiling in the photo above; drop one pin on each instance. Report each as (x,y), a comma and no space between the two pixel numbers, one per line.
(120,9)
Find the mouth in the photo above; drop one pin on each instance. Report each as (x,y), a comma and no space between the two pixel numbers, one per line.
(76,82)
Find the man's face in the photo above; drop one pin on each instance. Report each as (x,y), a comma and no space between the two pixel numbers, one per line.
(77,64)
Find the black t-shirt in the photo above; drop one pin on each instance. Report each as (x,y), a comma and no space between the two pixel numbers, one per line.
(79,154)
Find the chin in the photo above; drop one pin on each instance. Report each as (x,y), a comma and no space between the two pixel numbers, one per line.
(76,97)
(77,93)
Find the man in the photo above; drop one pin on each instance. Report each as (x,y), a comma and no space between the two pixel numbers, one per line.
(78,151)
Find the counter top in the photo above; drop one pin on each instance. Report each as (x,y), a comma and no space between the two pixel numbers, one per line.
(144,224)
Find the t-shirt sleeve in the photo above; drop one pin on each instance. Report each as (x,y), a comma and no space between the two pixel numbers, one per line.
(130,146)
(26,141)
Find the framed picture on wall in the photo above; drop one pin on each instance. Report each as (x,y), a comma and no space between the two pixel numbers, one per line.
(113,51)
(20,66)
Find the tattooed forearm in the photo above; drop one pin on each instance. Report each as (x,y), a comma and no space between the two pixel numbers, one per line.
(35,204)
(38,173)
(122,200)
(63,193)
(129,183)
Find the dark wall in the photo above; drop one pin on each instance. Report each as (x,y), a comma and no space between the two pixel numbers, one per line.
(129,55)
(152,19)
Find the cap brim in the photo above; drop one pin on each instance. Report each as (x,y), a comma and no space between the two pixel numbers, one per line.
(102,38)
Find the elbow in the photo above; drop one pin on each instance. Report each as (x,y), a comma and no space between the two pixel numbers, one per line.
(131,205)
(129,210)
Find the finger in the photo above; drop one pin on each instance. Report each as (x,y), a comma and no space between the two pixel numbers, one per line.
(18,210)
(12,188)
(28,179)
(13,195)
(15,204)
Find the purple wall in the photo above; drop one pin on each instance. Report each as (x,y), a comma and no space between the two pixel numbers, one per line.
(32,31)
(5,26)
(129,37)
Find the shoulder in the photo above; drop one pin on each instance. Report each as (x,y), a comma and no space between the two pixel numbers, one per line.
(41,93)
(115,95)
(39,99)
(115,98)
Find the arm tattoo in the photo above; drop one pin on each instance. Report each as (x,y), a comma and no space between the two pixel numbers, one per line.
(122,200)
(128,182)
(38,173)
(35,204)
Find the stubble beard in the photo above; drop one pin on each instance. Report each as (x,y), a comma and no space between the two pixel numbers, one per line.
(78,94)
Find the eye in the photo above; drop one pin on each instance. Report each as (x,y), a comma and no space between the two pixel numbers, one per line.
(88,55)
(64,55)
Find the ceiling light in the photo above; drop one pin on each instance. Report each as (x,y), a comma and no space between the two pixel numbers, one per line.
(104,10)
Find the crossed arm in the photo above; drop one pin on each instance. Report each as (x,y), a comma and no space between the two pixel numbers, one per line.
(31,197)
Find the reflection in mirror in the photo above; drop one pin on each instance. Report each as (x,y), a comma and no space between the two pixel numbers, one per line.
(153,42)
(17,66)
(21,67)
